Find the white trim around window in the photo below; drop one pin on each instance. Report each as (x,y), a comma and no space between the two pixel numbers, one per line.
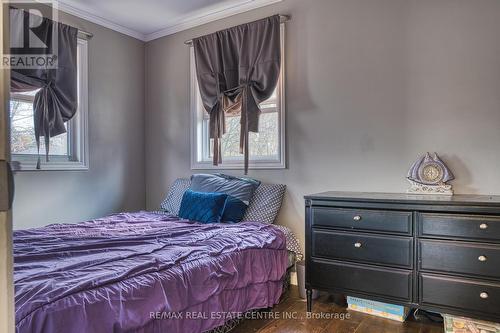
(78,146)
(200,144)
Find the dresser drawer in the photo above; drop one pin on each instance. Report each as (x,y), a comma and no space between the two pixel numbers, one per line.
(383,250)
(348,277)
(464,294)
(362,219)
(460,226)
(460,257)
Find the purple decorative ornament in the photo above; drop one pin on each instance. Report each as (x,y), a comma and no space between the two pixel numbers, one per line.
(429,175)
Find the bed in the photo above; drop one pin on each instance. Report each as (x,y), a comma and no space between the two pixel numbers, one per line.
(153,271)
(145,272)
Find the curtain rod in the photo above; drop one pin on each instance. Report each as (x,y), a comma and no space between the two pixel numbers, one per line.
(283,19)
(85,34)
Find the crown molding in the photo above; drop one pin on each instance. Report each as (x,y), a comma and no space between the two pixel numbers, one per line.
(194,21)
(91,17)
(189,21)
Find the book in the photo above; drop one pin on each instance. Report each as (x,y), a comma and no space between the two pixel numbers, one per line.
(385,310)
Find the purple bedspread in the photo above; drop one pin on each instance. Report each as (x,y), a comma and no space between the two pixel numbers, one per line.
(144,272)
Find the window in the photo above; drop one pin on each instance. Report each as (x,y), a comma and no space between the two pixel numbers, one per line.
(267,147)
(68,151)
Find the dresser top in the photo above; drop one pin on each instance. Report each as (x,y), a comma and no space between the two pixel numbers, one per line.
(457,199)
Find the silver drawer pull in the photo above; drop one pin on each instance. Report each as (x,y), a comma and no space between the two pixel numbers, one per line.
(482,258)
(358,244)
(483,226)
(357,218)
(483,295)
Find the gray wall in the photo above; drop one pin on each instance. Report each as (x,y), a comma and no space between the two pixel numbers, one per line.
(370,85)
(115,181)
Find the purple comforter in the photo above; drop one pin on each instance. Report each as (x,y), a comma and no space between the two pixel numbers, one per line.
(144,272)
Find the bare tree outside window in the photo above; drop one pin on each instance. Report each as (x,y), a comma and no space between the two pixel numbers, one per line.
(266,148)
(67,151)
(23,132)
(263,144)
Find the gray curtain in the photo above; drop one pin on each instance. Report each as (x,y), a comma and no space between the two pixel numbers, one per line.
(57,100)
(237,69)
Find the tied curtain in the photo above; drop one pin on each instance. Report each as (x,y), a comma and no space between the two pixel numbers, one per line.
(237,69)
(56,101)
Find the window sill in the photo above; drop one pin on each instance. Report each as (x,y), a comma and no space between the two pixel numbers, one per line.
(208,165)
(23,165)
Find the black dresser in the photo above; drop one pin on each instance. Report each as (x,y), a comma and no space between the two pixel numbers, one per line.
(437,253)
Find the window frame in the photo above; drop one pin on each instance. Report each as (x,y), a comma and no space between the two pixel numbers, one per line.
(77,128)
(199,133)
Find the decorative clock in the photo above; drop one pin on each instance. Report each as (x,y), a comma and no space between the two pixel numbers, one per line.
(429,175)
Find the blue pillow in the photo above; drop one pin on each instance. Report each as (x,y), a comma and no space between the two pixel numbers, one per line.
(234,210)
(241,188)
(202,207)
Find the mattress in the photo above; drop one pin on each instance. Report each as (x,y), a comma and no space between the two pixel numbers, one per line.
(144,272)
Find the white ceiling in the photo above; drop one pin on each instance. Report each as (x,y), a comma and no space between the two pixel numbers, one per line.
(151,19)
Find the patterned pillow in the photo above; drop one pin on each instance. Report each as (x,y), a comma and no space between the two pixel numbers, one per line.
(172,203)
(265,204)
(292,243)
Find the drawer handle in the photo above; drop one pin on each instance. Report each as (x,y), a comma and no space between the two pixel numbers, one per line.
(482,258)
(357,218)
(358,244)
(483,226)
(483,295)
